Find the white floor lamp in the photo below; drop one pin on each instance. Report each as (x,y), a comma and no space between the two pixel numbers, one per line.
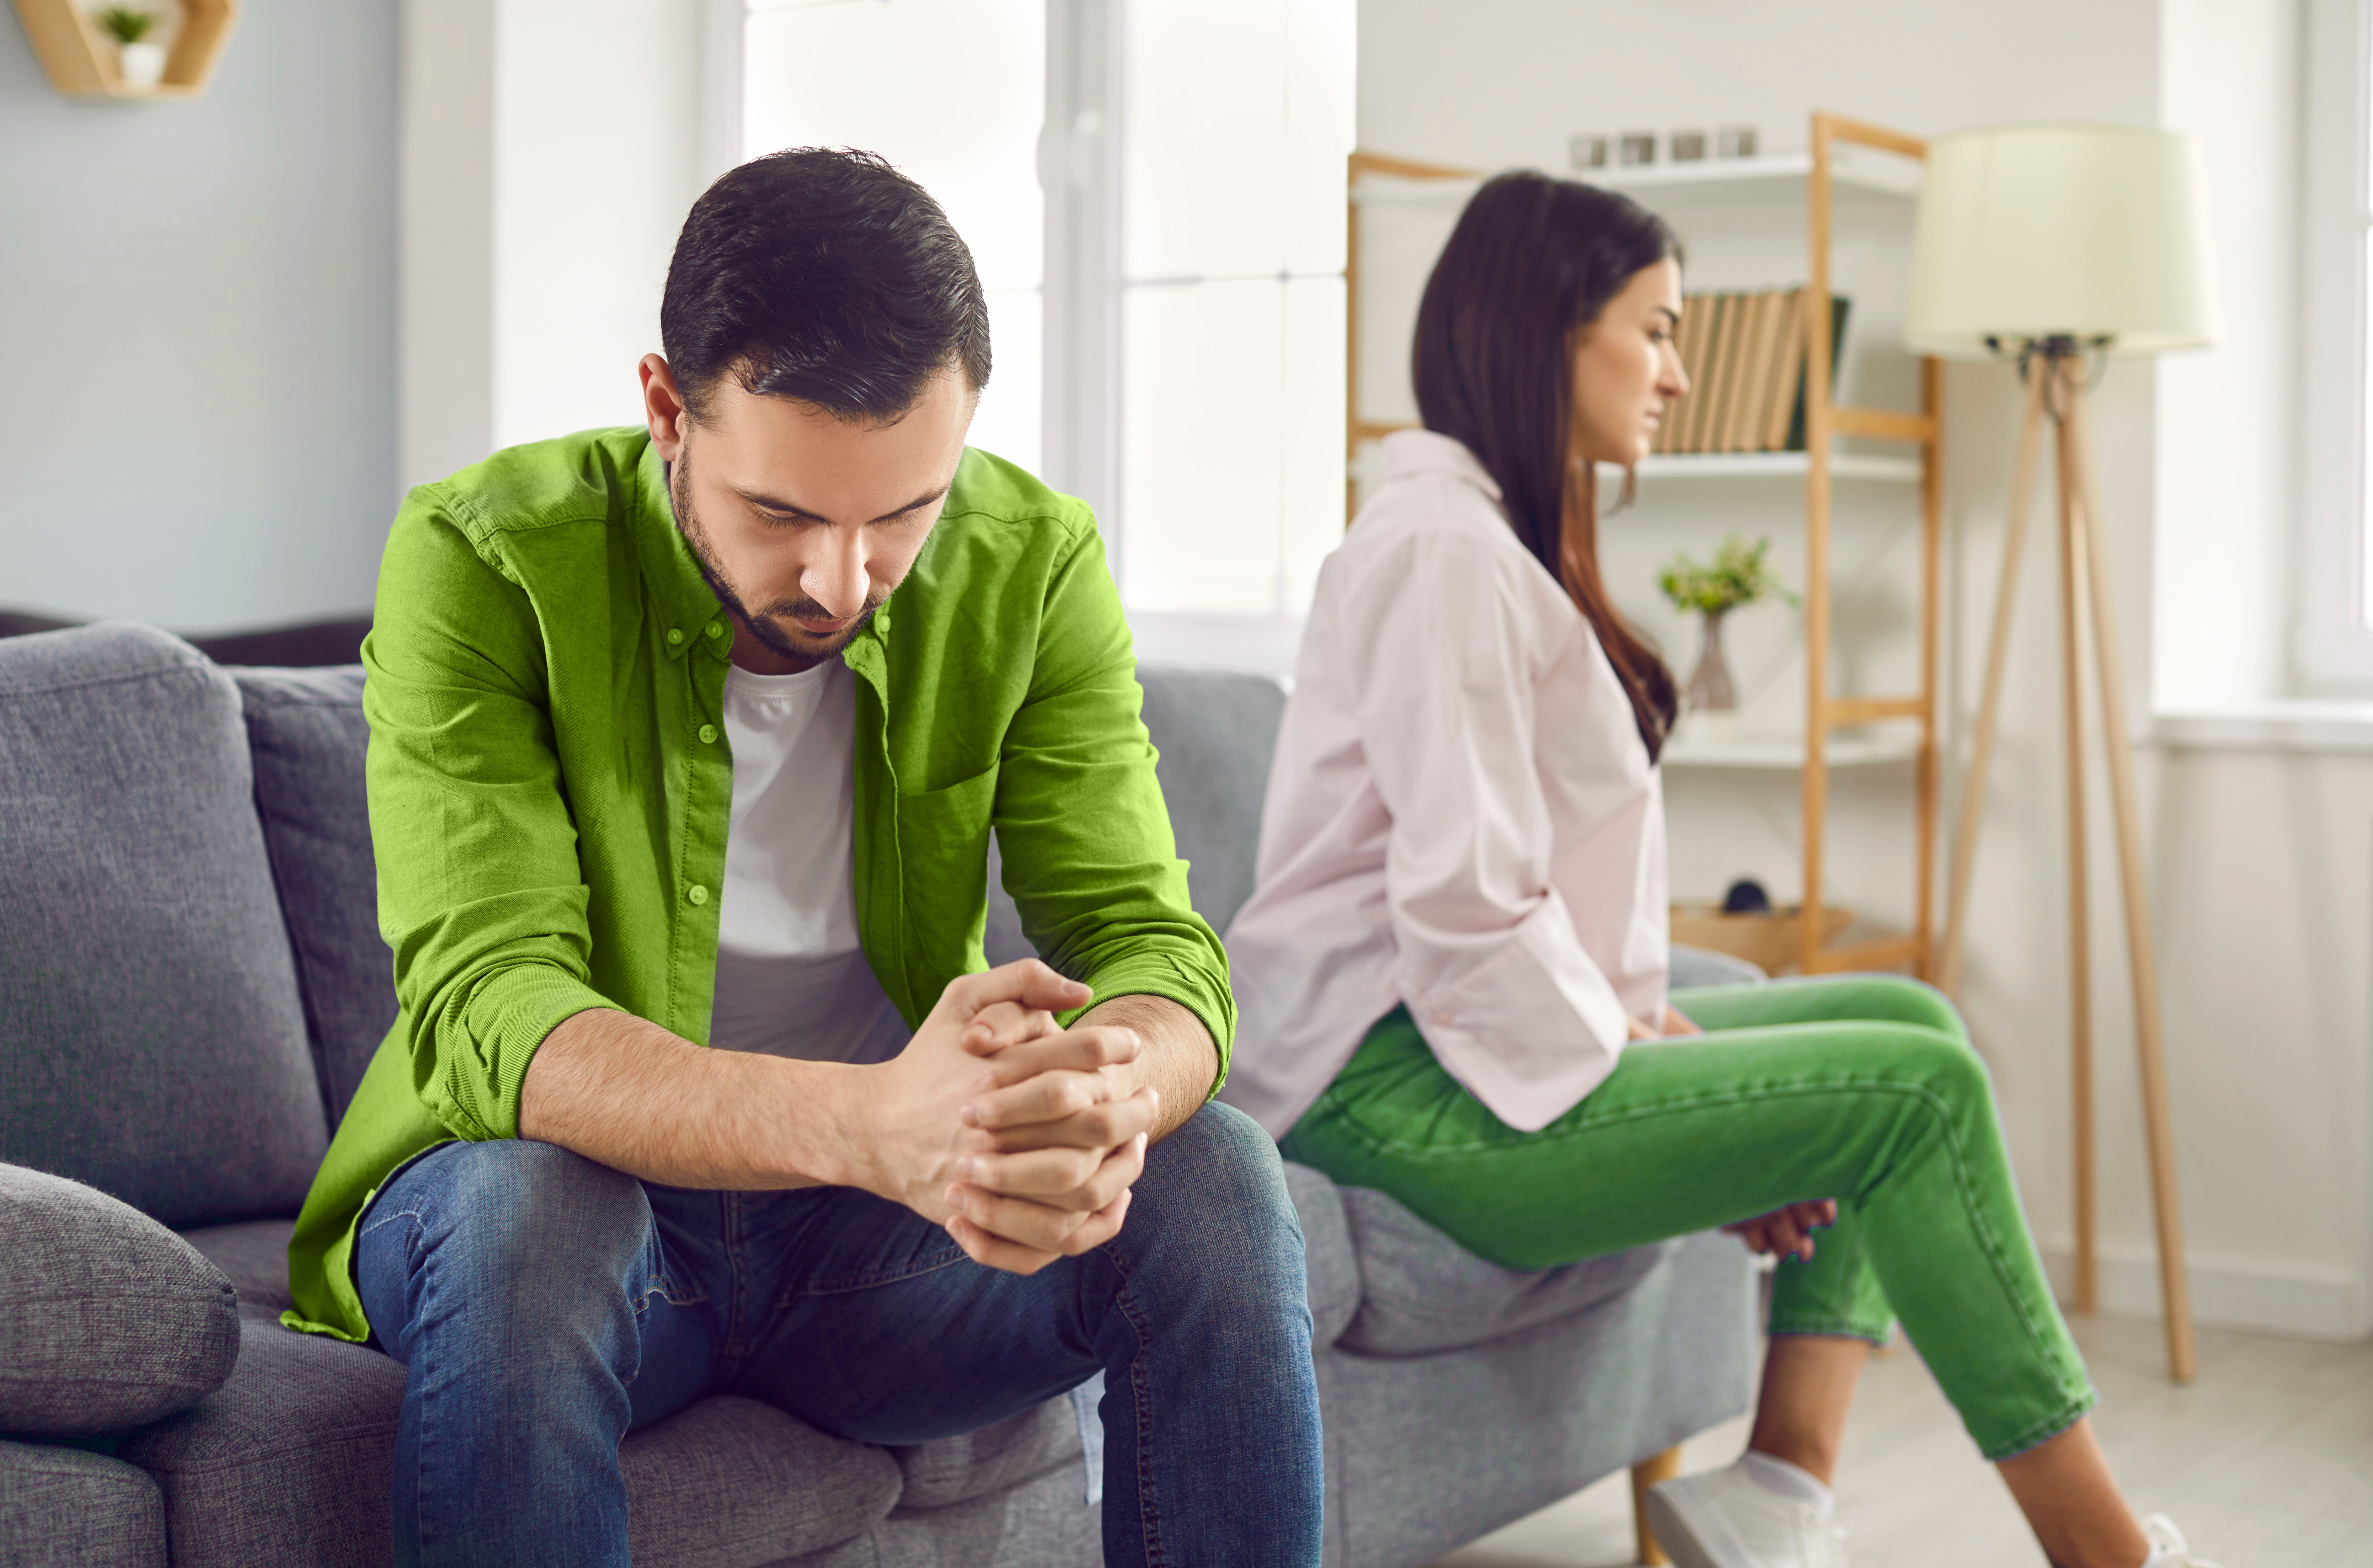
(2050,246)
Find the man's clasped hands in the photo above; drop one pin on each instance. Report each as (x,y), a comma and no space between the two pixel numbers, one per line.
(1019,1135)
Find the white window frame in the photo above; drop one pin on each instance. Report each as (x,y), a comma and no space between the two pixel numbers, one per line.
(2333,646)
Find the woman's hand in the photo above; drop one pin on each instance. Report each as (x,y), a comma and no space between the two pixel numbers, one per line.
(1786,1232)
(1673,1024)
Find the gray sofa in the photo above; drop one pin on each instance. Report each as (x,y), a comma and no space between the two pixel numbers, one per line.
(190,983)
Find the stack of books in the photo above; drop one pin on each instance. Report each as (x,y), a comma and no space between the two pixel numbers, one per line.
(1745,357)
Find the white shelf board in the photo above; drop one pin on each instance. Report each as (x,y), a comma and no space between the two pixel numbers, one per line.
(1775,176)
(1766,465)
(1761,179)
(1788,755)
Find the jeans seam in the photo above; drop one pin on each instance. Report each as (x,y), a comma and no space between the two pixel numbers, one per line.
(1148,1503)
(2038,1433)
(843,1284)
(1828,1327)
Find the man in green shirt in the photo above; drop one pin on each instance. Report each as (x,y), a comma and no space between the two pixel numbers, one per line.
(686,746)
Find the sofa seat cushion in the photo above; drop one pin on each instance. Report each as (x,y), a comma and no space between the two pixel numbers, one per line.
(1421,1293)
(292,1462)
(64,1508)
(957,1469)
(253,1256)
(152,1042)
(305,732)
(1329,1262)
(108,1320)
(734,1483)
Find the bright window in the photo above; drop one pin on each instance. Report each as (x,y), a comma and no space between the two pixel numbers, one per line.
(954,93)
(1197,334)
(1237,117)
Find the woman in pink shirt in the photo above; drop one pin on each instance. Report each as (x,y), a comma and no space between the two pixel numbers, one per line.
(1451,974)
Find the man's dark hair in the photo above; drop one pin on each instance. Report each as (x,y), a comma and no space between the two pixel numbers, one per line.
(821,274)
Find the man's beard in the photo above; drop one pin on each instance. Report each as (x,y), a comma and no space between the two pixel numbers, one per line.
(765,627)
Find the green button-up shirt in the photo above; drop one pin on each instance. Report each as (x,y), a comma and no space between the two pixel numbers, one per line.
(550,787)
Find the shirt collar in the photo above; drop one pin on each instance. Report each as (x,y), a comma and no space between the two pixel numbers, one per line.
(1408,452)
(686,610)
(689,613)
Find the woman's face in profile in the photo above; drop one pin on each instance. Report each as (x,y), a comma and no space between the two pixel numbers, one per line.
(1625,371)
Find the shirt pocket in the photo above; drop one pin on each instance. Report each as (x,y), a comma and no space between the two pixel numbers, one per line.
(943,860)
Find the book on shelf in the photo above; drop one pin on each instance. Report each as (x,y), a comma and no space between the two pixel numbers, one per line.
(1744,355)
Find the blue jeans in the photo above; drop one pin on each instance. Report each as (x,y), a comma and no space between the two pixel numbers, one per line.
(546,1305)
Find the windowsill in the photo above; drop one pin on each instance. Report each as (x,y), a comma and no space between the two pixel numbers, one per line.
(2270,724)
(1243,645)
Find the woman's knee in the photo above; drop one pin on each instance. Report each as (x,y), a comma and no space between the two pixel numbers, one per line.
(1917,1003)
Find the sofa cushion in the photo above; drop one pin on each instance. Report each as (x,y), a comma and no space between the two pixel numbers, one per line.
(1329,1262)
(253,1256)
(64,1508)
(956,1469)
(1216,734)
(1034,1524)
(734,1483)
(1421,1293)
(292,1462)
(306,731)
(107,1319)
(289,1462)
(151,1039)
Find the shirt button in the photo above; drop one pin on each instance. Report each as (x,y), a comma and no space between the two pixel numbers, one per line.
(697,894)
(1444,1018)
(716,628)
(708,733)
(675,637)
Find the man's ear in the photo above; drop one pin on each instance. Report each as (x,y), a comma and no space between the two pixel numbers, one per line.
(663,408)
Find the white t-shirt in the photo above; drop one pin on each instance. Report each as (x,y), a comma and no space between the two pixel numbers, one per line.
(792,980)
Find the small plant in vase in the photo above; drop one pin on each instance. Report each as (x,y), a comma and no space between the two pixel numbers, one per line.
(140,60)
(1738,575)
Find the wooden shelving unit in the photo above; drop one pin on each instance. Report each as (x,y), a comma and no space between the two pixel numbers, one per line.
(80,60)
(1853,161)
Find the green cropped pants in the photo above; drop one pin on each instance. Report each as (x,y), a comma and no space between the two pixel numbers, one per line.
(1861,1089)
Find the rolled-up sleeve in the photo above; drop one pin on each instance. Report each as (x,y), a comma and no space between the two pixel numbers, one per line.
(481,894)
(1487,955)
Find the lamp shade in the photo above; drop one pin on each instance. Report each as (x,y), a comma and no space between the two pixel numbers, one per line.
(2098,232)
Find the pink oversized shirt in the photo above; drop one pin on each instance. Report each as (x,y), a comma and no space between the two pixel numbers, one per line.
(1461,817)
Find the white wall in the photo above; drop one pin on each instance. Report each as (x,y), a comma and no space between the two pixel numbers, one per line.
(198,301)
(2262,857)
(551,150)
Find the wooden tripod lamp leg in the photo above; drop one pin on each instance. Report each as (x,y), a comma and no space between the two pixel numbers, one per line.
(2080,913)
(2142,954)
(1648,1472)
(1981,753)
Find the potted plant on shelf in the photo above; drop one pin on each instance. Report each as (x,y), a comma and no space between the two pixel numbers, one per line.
(139,61)
(1738,575)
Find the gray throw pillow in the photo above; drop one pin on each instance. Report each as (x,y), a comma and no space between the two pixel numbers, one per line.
(108,1320)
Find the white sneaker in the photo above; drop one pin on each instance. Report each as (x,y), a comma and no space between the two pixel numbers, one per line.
(1726,1519)
(2168,1550)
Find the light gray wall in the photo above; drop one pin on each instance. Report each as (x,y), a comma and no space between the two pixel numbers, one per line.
(198,312)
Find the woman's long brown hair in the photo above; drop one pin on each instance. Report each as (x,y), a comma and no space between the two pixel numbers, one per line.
(1533,261)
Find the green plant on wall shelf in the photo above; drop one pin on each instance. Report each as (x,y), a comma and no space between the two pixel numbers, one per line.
(1738,575)
(127,24)
(139,61)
